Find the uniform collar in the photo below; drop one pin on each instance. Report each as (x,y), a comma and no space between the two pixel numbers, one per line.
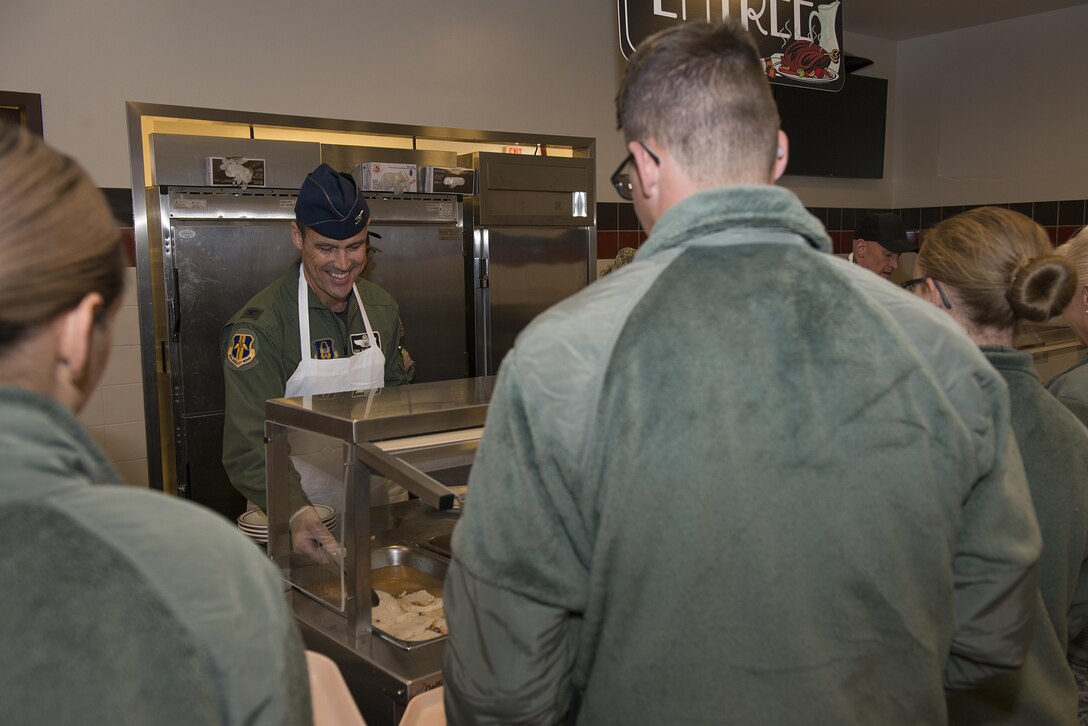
(761,206)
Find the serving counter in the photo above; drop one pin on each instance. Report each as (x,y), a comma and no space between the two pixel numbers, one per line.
(422,437)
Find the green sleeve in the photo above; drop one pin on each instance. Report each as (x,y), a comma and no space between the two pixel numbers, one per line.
(995,571)
(246,388)
(395,375)
(1077,406)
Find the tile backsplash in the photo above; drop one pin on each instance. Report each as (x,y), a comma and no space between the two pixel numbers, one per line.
(618,227)
(1060,219)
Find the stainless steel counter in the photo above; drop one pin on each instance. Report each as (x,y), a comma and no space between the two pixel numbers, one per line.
(423,437)
(381,676)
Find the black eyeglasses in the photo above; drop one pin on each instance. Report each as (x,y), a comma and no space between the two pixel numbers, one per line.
(910,284)
(622,180)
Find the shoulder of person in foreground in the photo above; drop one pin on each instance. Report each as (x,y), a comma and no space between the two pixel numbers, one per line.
(543,403)
(179,603)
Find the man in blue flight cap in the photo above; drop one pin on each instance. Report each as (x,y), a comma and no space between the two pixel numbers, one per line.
(320,328)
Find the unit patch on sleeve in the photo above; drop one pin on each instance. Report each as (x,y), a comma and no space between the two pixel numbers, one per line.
(323,349)
(242,351)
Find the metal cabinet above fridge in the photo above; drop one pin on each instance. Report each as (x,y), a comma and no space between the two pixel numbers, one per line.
(534,243)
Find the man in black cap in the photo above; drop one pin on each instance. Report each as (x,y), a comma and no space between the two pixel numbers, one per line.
(879,239)
(320,328)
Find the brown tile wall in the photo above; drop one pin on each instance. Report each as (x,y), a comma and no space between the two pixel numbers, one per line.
(617,226)
(1060,219)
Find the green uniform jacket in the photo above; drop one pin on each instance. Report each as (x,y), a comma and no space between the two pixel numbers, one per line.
(253,375)
(1054,447)
(1071,388)
(123,606)
(739,480)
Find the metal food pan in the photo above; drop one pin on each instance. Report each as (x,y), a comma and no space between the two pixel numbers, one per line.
(410,557)
(414,569)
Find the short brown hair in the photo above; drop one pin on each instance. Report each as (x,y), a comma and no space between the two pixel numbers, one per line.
(1001,265)
(58,239)
(700,89)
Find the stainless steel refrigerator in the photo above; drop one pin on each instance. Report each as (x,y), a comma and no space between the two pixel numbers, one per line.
(534,243)
(212,248)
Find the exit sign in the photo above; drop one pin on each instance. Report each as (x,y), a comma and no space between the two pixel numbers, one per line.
(513,149)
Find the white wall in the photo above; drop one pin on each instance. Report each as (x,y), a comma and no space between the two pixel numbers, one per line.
(508,65)
(501,65)
(995,113)
(114,414)
(984,114)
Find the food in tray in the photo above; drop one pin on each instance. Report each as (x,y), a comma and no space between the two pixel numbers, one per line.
(805,59)
(409,616)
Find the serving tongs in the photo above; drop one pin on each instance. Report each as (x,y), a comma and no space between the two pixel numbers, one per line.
(336,562)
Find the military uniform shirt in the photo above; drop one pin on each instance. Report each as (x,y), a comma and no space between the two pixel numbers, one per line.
(260,349)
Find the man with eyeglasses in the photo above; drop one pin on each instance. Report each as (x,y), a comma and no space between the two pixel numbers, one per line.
(879,239)
(724,483)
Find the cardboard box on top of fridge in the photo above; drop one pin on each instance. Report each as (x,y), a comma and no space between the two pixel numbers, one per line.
(378,176)
(455,179)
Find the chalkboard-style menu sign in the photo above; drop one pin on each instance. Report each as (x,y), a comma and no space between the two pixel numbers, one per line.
(800,40)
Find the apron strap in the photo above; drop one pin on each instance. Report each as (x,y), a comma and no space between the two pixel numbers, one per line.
(304,314)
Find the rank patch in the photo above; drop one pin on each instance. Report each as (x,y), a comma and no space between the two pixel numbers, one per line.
(323,349)
(242,350)
(252,313)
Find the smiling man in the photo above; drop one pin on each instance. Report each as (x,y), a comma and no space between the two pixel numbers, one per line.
(879,239)
(320,328)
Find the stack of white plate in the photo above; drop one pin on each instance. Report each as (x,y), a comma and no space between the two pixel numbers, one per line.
(254,523)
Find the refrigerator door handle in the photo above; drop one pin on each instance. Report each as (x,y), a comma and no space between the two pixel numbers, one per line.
(481,272)
(174,303)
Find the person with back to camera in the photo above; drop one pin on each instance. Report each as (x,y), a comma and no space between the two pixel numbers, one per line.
(879,239)
(695,540)
(119,606)
(1071,388)
(320,328)
(990,268)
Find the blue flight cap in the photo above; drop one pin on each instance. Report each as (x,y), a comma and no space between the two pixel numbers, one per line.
(331,204)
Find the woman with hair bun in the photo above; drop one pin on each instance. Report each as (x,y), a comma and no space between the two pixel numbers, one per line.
(120,606)
(991,268)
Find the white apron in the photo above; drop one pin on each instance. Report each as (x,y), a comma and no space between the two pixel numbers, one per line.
(365,369)
(320,469)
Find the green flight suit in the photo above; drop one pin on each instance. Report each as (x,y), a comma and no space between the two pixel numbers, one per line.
(260,348)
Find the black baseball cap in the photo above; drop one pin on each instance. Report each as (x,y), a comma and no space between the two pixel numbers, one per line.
(887,230)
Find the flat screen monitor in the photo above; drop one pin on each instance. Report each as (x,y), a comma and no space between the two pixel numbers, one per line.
(836,134)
